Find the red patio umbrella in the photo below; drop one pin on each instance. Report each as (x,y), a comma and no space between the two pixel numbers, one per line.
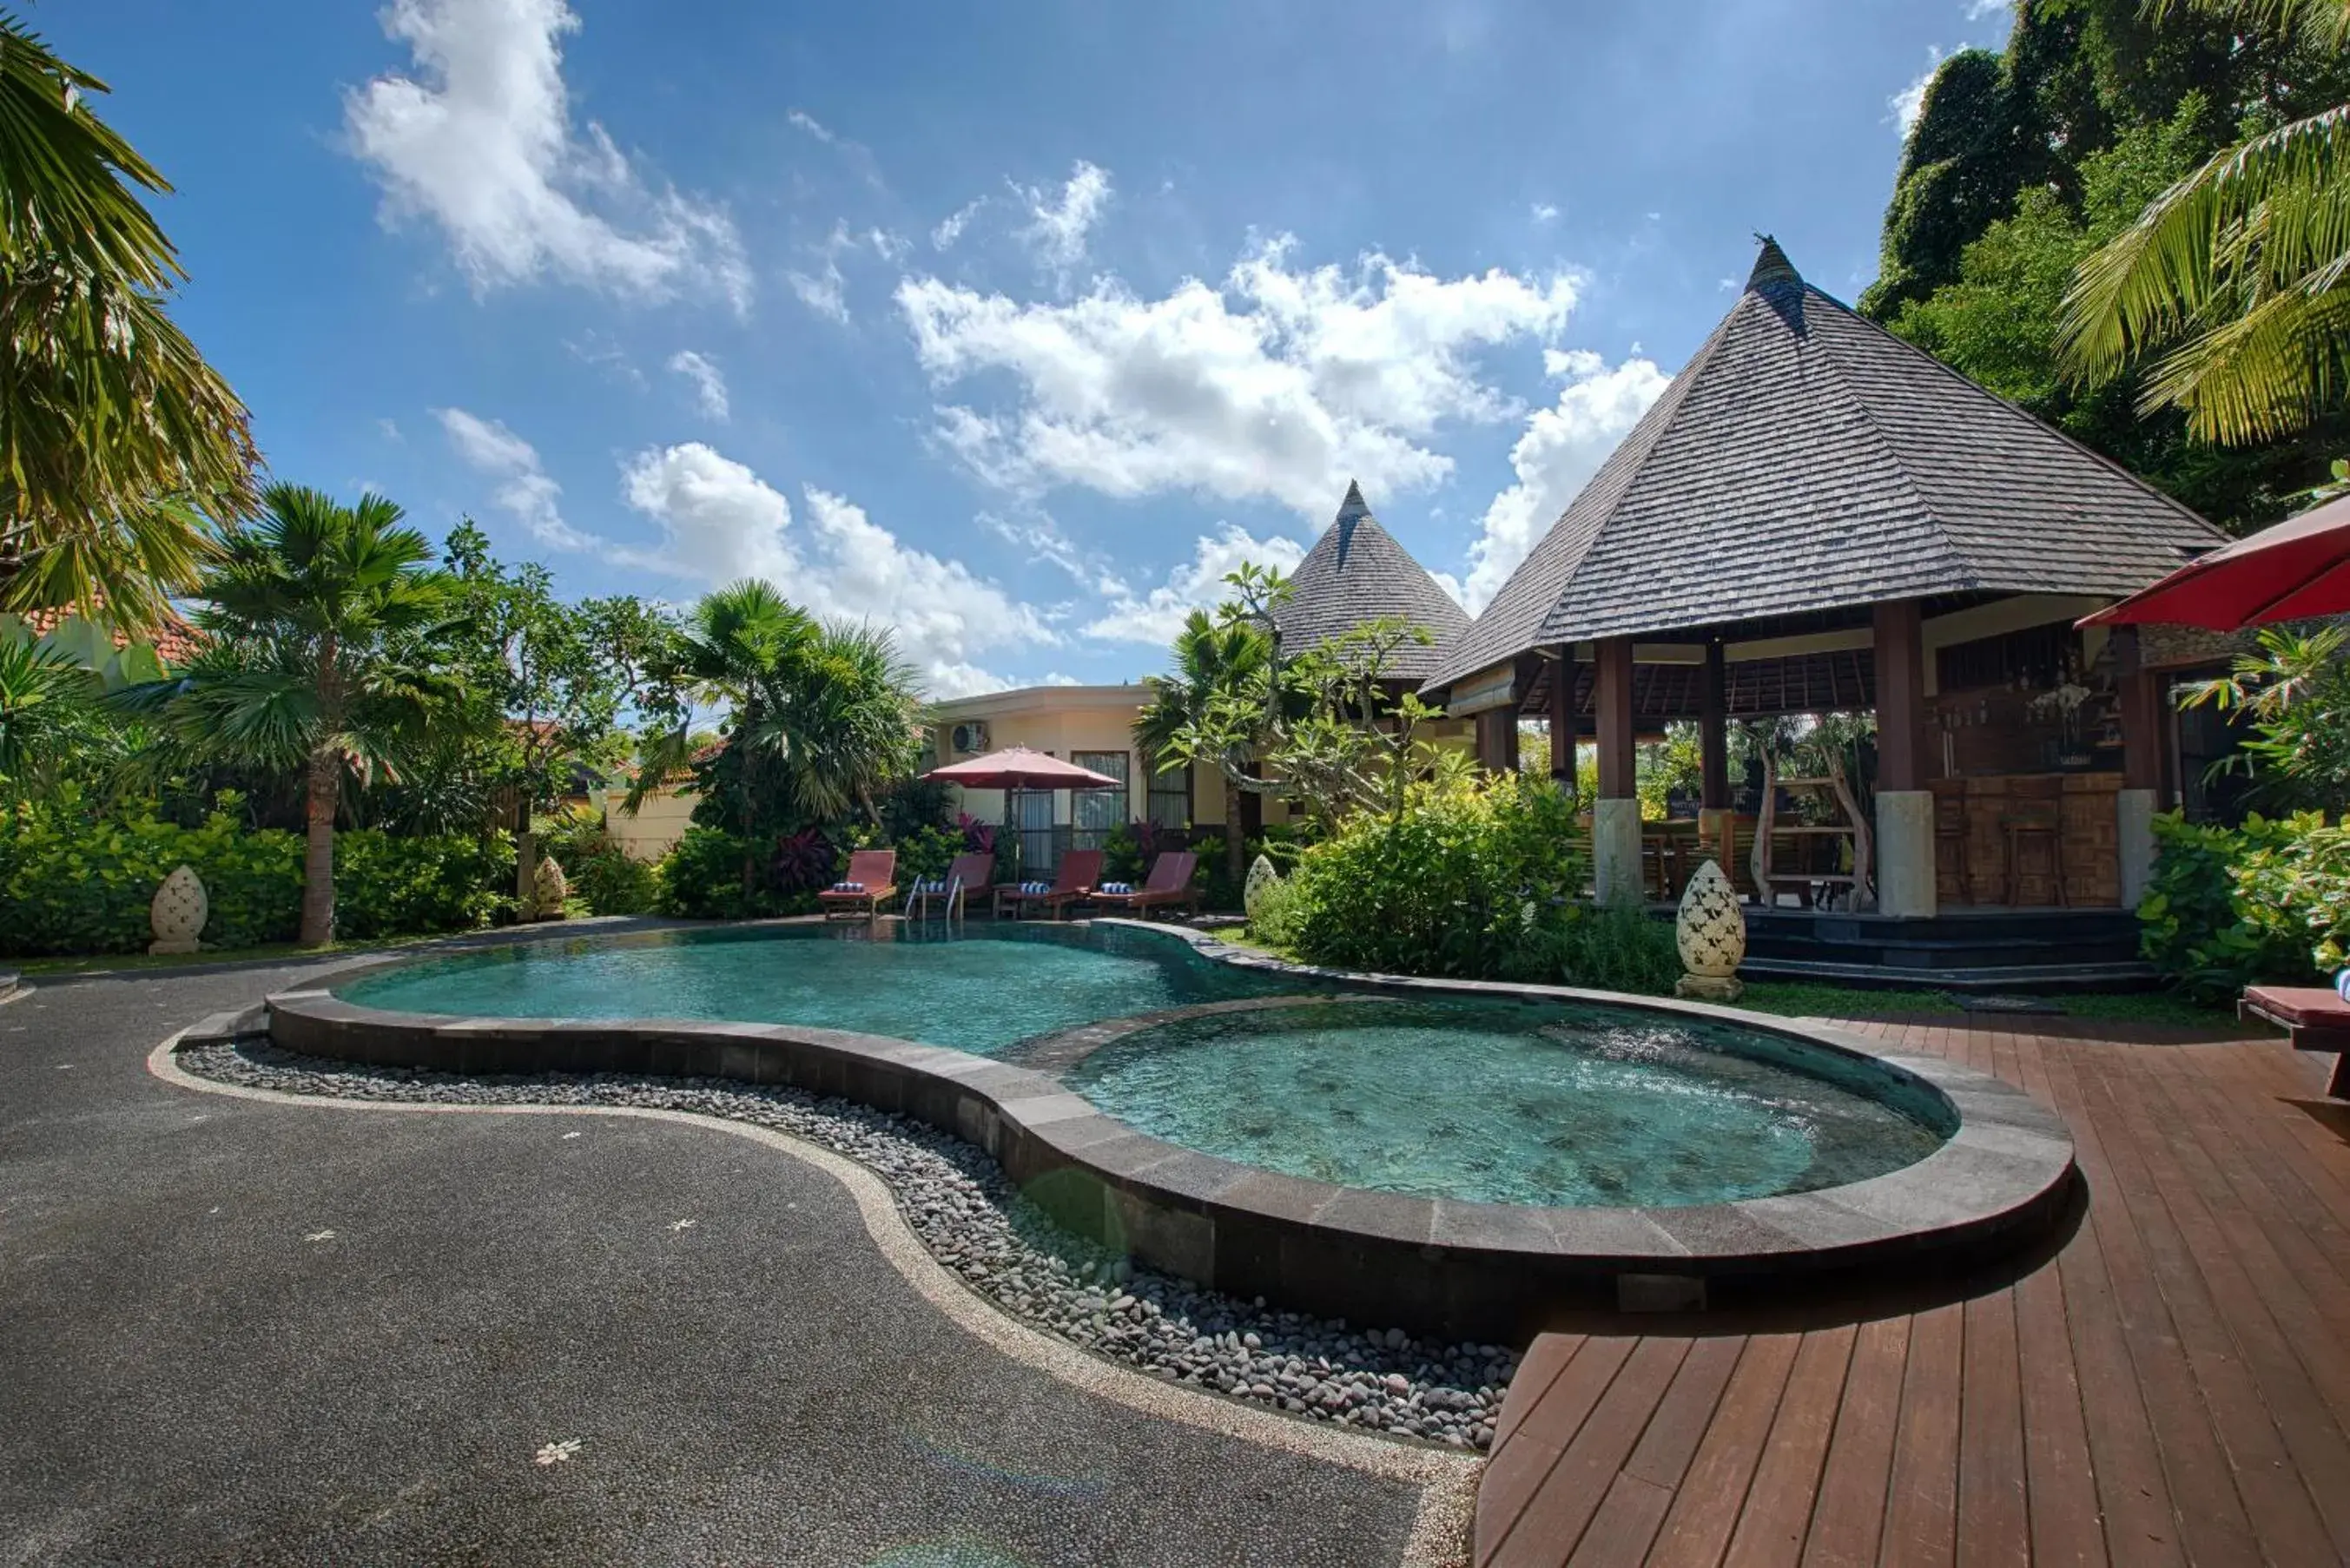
(1017,767)
(2294,570)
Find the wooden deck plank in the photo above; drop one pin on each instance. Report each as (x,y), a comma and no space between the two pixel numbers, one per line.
(1921,1497)
(1517,1479)
(1705,1510)
(1778,1512)
(1547,1532)
(1686,1412)
(1626,1522)
(1994,1523)
(1849,1516)
(2061,1491)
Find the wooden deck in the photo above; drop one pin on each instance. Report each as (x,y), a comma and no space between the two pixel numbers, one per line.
(2166,1384)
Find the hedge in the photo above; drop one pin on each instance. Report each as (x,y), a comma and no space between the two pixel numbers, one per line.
(75,884)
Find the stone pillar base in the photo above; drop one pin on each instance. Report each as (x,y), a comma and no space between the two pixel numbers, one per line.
(2134,825)
(160,947)
(1905,852)
(1616,850)
(1710,987)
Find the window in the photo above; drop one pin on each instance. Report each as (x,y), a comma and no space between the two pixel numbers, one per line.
(1093,812)
(1171,797)
(1029,812)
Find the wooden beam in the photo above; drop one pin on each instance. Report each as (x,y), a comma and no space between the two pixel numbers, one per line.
(1562,718)
(2141,713)
(1613,698)
(1901,697)
(1714,732)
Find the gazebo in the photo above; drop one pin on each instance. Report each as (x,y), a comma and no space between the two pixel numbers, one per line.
(1357,573)
(1817,517)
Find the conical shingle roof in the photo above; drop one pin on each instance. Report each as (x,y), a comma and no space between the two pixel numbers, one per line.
(1357,573)
(1808,459)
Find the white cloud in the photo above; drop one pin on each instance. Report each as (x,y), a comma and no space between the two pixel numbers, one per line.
(525,490)
(389,429)
(1157,616)
(1543,211)
(1977,10)
(1561,447)
(709,382)
(1281,383)
(1057,226)
(480,141)
(1903,108)
(825,291)
(721,521)
(952,226)
(801,120)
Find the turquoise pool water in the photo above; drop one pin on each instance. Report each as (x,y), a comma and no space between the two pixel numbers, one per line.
(1512,1103)
(978,992)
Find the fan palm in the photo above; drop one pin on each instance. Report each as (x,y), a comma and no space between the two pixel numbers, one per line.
(115,435)
(322,619)
(1220,669)
(2233,286)
(45,696)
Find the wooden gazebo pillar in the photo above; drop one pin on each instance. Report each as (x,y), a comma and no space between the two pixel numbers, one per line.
(1905,806)
(2140,691)
(1561,716)
(1713,827)
(1616,815)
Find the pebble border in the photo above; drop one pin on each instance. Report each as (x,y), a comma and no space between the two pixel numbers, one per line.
(967,1213)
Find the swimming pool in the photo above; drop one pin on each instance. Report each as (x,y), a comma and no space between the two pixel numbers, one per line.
(1506,1102)
(979,992)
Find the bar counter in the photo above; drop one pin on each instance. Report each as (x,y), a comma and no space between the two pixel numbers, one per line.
(2044,821)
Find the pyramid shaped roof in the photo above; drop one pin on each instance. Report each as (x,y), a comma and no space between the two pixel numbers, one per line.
(1806,460)
(1357,573)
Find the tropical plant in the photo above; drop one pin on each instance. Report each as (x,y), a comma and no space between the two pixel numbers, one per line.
(2232,906)
(2234,285)
(45,699)
(2294,691)
(1208,708)
(823,719)
(326,623)
(115,438)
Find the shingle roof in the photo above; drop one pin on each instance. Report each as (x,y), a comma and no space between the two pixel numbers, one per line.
(1806,460)
(1357,573)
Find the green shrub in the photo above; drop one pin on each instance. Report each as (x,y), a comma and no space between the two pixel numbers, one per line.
(1274,922)
(928,852)
(1611,950)
(394,887)
(604,879)
(1472,882)
(2230,908)
(74,884)
(701,877)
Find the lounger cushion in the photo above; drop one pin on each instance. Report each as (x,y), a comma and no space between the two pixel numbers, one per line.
(2301,1006)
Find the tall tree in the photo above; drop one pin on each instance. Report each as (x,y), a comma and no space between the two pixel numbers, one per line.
(325,628)
(1959,169)
(117,440)
(2232,289)
(1206,708)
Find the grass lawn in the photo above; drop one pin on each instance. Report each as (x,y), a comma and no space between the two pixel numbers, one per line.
(109,963)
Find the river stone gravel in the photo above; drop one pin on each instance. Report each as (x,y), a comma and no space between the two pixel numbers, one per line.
(975,1221)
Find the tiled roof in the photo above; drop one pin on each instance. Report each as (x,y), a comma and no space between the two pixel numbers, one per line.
(1808,459)
(1357,573)
(174,640)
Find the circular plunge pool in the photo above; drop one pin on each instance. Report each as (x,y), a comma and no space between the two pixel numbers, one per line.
(1500,1101)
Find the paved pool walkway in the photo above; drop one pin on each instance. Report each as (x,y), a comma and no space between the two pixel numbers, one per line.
(239,1330)
(2168,1386)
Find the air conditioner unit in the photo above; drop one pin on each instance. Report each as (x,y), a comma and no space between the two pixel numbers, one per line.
(970,739)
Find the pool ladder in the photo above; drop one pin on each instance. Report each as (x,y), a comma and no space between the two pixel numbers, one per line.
(954,898)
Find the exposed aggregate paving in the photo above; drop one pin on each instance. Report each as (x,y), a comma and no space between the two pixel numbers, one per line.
(971,1217)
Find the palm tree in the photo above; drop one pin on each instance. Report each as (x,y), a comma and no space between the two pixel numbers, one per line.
(1220,669)
(2235,283)
(321,620)
(115,438)
(824,715)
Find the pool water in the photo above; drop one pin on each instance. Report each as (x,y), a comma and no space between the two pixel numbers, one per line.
(977,993)
(1516,1103)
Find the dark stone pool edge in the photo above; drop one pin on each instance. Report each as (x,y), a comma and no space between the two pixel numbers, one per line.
(1478,1271)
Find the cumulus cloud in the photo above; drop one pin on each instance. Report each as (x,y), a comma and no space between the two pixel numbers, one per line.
(1561,447)
(525,492)
(1059,224)
(709,382)
(1156,614)
(721,521)
(479,141)
(1543,211)
(1283,382)
(1902,109)
(952,226)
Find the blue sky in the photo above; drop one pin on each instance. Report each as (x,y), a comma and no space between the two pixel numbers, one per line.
(1011,325)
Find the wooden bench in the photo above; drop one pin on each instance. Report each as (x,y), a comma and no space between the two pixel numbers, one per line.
(2314,1018)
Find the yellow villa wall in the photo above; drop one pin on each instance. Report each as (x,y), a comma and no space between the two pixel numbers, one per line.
(1063,719)
(655,829)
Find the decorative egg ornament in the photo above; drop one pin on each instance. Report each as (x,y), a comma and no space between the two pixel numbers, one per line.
(178,912)
(548,888)
(1711,932)
(1260,875)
